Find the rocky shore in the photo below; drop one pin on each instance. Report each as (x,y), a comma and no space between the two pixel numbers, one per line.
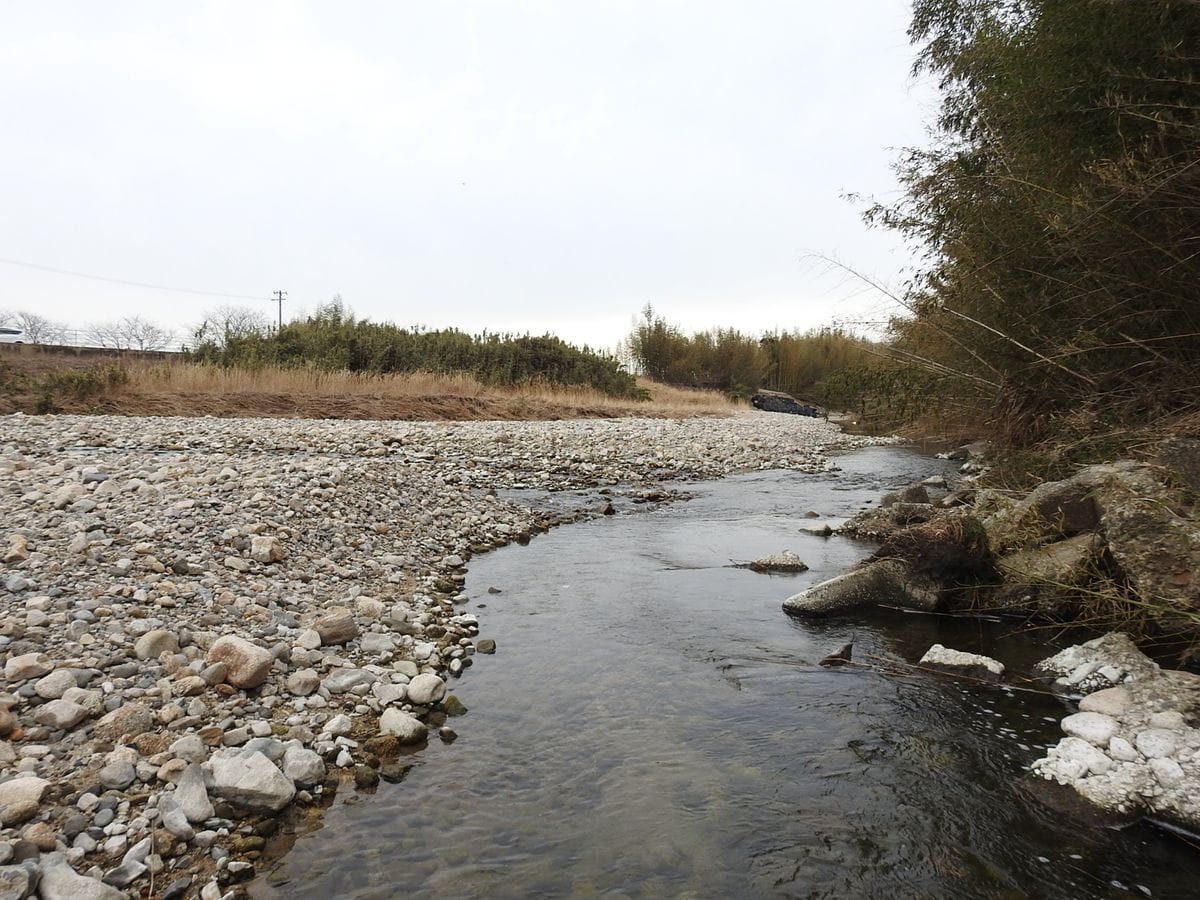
(205,623)
(1113,543)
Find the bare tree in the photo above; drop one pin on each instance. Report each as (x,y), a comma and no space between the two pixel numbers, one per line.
(145,335)
(228,322)
(129,333)
(37,328)
(107,335)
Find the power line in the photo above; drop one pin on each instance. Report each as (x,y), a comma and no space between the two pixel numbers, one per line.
(141,284)
(279,295)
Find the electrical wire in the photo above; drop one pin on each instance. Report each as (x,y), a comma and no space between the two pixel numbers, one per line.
(141,284)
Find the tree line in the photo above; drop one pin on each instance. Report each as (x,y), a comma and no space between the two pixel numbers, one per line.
(800,363)
(1058,211)
(332,338)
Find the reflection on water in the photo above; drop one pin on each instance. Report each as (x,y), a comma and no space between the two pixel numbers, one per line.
(652,725)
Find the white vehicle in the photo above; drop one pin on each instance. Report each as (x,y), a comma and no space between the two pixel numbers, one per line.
(12,336)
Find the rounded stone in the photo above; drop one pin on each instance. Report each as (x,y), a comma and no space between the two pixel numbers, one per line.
(246,665)
(54,685)
(426,689)
(1095,728)
(303,682)
(1155,743)
(155,642)
(1108,702)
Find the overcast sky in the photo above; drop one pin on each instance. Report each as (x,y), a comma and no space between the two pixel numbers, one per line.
(528,166)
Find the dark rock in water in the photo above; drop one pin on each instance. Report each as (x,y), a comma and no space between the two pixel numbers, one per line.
(950,549)
(394,772)
(776,401)
(487,645)
(840,658)
(608,509)
(494,590)
(365,777)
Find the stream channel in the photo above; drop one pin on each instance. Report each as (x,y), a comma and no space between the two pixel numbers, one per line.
(653,725)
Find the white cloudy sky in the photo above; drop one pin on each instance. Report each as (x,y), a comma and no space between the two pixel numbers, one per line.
(510,165)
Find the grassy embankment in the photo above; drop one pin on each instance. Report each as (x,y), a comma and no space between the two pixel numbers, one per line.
(34,381)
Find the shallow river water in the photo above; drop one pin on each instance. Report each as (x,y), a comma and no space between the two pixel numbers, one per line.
(653,725)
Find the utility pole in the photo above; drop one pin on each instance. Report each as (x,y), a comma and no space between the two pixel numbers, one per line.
(279,295)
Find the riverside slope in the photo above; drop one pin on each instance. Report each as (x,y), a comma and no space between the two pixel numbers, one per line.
(205,620)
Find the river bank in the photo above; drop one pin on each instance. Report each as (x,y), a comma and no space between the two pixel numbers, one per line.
(209,621)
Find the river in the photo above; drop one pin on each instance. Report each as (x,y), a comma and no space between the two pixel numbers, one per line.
(653,725)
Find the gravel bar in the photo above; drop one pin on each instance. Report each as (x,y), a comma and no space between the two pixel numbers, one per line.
(207,622)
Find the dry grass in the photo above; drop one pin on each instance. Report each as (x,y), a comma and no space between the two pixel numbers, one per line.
(39,383)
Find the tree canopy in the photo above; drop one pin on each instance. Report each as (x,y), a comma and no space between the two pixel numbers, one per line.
(1058,208)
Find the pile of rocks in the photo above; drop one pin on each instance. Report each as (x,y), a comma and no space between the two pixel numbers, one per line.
(1133,748)
(205,621)
(1122,529)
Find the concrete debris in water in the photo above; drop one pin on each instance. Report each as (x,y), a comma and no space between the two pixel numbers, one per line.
(957,662)
(1133,747)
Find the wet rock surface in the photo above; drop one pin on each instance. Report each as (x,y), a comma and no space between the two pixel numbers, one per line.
(203,622)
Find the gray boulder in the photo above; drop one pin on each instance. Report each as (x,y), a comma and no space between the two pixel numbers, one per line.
(250,781)
(1046,579)
(18,882)
(426,689)
(339,681)
(60,714)
(60,882)
(303,766)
